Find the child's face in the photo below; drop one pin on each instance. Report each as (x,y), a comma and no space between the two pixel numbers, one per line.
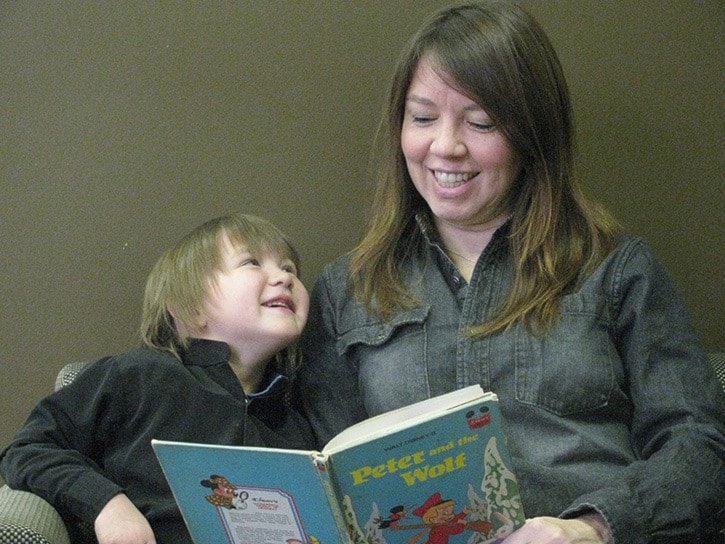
(258,305)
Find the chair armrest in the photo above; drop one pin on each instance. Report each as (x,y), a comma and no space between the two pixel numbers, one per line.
(26,518)
(718,363)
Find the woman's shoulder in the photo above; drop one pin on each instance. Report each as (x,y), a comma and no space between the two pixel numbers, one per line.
(333,283)
(337,269)
(631,262)
(631,253)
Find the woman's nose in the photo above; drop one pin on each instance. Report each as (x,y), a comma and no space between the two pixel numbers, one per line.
(448,142)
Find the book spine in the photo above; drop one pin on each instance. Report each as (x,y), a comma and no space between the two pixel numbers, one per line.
(322,467)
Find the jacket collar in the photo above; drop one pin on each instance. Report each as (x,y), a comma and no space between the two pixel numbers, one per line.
(209,353)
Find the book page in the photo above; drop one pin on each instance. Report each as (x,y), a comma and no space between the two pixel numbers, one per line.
(404,417)
(260,515)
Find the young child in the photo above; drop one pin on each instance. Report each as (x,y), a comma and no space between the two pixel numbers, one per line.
(222,311)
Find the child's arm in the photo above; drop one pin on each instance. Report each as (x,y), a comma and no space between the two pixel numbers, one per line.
(49,458)
(120,522)
(60,453)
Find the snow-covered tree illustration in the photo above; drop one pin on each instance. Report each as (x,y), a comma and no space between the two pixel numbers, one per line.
(500,485)
(355,533)
(373,532)
(500,503)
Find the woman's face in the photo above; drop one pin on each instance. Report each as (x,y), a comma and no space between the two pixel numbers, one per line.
(460,162)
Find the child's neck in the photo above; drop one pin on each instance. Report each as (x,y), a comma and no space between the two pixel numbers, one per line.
(250,375)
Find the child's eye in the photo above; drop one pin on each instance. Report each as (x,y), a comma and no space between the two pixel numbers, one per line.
(291,268)
(250,262)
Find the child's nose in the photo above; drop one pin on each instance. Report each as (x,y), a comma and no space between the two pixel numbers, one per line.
(280,276)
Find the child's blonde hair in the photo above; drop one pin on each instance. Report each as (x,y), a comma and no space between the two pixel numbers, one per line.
(182,278)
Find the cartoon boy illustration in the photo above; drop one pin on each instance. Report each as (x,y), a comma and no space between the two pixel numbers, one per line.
(225,494)
(438,515)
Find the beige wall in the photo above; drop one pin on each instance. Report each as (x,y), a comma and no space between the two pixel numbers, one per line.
(123,125)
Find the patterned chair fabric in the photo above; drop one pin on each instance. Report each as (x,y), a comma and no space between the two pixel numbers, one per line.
(69,373)
(718,363)
(27,519)
(17,534)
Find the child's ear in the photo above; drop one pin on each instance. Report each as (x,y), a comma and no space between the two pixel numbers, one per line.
(182,328)
(200,324)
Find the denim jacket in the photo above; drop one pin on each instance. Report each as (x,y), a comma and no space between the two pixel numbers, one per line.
(616,409)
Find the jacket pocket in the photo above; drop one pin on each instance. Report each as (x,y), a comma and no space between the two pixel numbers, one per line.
(376,332)
(389,359)
(569,369)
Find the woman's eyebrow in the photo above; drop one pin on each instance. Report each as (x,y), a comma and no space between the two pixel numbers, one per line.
(419,100)
(423,101)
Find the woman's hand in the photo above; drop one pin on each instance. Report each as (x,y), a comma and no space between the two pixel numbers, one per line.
(120,522)
(546,530)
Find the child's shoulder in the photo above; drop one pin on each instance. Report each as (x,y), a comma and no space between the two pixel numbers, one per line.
(143,356)
(136,362)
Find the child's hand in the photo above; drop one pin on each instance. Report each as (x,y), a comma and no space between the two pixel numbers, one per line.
(120,522)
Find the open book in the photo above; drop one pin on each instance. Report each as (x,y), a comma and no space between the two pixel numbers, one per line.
(437,467)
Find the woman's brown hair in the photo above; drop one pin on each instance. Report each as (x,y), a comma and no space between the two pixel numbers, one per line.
(498,55)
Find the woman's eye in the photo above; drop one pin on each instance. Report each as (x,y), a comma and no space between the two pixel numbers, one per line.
(482,127)
(421,119)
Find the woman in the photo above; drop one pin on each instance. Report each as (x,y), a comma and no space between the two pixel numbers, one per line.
(485,263)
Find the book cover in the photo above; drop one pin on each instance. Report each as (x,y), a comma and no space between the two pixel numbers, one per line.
(436,471)
(235,495)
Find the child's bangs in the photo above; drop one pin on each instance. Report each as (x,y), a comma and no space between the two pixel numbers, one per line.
(259,236)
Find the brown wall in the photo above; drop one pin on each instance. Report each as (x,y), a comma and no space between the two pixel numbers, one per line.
(123,125)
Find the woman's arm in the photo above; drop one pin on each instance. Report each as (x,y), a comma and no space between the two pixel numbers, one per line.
(672,493)
(328,382)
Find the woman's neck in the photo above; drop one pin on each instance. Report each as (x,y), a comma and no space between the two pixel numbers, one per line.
(466,243)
